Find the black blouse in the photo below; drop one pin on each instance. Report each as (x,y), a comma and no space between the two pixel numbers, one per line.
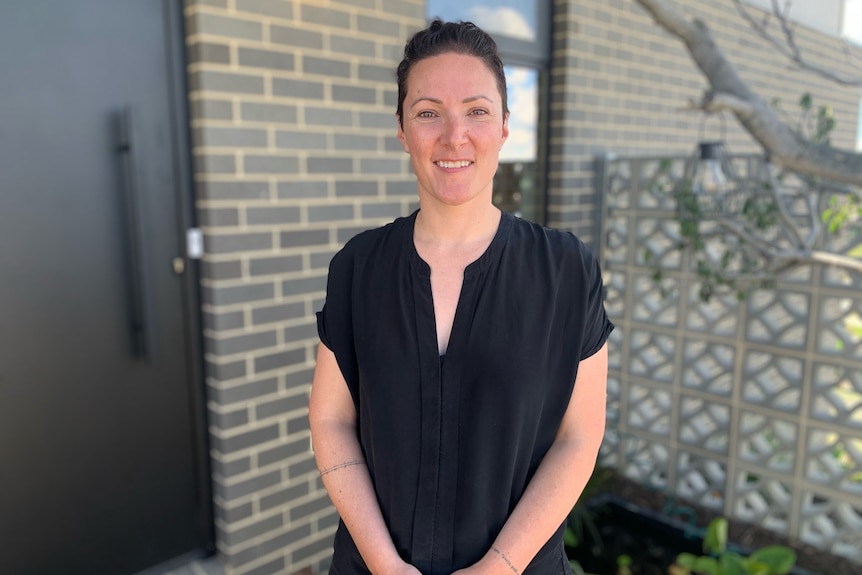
(451,443)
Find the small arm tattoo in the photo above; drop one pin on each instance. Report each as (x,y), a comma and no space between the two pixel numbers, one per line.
(340,466)
(506,560)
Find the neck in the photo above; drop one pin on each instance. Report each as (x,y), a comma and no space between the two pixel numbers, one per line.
(456,225)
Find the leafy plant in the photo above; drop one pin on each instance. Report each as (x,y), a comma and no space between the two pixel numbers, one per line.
(718,560)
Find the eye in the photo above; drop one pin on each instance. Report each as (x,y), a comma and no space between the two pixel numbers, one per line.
(425,114)
(479,112)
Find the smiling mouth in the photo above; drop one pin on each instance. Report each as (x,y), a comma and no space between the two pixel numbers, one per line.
(458,164)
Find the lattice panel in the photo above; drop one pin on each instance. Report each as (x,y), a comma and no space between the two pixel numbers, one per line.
(615,349)
(649,409)
(700,480)
(617,234)
(708,367)
(762,500)
(772,381)
(652,355)
(651,305)
(659,238)
(615,293)
(704,424)
(840,329)
(835,459)
(647,462)
(832,524)
(837,396)
(656,185)
(609,450)
(767,442)
(778,318)
(619,189)
(849,241)
(718,317)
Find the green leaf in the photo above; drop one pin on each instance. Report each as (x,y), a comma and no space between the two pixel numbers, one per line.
(733,564)
(805,101)
(778,558)
(686,560)
(715,540)
(569,537)
(856,252)
(707,566)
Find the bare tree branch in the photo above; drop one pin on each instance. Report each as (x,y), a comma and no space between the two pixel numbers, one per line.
(788,46)
(785,146)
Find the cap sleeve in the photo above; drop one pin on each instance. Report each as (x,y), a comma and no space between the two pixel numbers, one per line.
(597,326)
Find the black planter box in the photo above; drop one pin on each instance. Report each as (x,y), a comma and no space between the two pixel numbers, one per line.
(651,539)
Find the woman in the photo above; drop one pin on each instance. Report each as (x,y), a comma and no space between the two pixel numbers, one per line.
(458,401)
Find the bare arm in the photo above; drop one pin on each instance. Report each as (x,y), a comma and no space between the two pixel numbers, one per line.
(560,478)
(332,417)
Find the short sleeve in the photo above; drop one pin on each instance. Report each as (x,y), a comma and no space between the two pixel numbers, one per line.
(597,326)
(335,320)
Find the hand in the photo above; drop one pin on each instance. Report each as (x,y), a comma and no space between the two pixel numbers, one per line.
(398,567)
(488,565)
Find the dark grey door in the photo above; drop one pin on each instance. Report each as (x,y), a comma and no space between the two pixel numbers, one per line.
(98,415)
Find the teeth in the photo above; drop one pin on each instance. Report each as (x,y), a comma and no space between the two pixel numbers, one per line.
(461,164)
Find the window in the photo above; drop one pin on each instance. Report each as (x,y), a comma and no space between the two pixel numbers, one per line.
(521,29)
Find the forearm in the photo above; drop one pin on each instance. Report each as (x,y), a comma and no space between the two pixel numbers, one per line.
(347,481)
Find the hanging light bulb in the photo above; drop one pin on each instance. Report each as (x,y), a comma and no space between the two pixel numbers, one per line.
(709,177)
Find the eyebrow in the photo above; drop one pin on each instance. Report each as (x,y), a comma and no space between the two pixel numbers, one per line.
(466,100)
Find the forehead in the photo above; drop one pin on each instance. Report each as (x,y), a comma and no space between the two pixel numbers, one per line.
(452,72)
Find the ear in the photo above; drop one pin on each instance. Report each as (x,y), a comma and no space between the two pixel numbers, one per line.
(505,133)
(401,135)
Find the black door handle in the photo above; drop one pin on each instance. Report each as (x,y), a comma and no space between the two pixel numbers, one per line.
(130,198)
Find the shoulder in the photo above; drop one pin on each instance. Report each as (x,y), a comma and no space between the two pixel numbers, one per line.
(386,239)
(561,247)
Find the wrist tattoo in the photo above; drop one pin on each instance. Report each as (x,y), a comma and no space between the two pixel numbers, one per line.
(506,560)
(341,466)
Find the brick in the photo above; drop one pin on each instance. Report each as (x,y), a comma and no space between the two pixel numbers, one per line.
(355,188)
(203,109)
(325,67)
(303,285)
(282,452)
(328,521)
(407,188)
(312,548)
(376,73)
(245,190)
(284,496)
(302,332)
(216,3)
(231,137)
(215,25)
(392,144)
(245,392)
(379,27)
(328,117)
(230,419)
(297,190)
(269,59)
(300,140)
(245,440)
(215,164)
(380,166)
(258,527)
(277,543)
(320,261)
(299,378)
(390,99)
(272,216)
(355,142)
(297,89)
(218,217)
(278,360)
(404,8)
(233,514)
(325,16)
(384,120)
(277,565)
(223,321)
(260,112)
(228,469)
(388,210)
(209,52)
(275,265)
(298,424)
(281,406)
(226,82)
(230,243)
(296,37)
(277,8)
(225,371)
(277,313)
(328,165)
(345,233)
(300,468)
(229,295)
(329,213)
(354,94)
(304,238)
(242,343)
(271,164)
(221,270)
(351,45)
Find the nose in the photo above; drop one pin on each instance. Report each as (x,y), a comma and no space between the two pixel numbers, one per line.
(454,132)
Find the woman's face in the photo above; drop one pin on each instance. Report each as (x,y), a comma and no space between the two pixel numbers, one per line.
(453,128)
